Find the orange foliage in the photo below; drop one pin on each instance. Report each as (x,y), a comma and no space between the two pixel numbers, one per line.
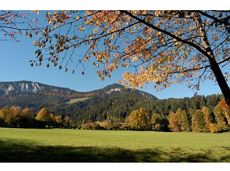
(169,49)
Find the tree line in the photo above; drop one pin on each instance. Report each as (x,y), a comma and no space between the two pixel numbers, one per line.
(17,117)
(196,120)
(201,119)
(117,106)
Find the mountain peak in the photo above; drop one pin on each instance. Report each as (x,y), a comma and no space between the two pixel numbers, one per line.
(19,87)
(14,88)
(115,85)
(34,94)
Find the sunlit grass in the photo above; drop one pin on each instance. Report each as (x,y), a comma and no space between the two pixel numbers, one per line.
(137,145)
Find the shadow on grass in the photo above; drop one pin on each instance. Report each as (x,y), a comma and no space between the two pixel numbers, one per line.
(15,151)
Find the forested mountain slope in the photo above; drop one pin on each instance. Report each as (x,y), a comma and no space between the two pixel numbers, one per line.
(111,102)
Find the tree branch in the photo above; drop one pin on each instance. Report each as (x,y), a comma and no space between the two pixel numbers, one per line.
(167,33)
(196,69)
(222,21)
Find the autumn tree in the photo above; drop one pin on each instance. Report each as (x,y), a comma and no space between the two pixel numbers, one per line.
(210,123)
(5,116)
(213,128)
(198,121)
(139,119)
(21,117)
(106,124)
(220,118)
(173,122)
(16,117)
(16,23)
(91,126)
(2,122)
(27,113)
(15,110)
(43,115)
(223,105)
(178,121)
(207,117)
(184,119)
(56,120)
(160,47)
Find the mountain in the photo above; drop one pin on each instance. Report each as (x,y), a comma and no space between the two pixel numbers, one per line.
(66,101)
(21,87)
(18,88)
(113,102)
(33,94)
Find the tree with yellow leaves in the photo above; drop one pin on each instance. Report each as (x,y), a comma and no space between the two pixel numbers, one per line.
(27,113)
(220,117)
(198,121)
(16,111)
(160,47)
(43,115)
(226,109)
(207,117)
(178,121)
(6,116)
(56,120)
(139,119)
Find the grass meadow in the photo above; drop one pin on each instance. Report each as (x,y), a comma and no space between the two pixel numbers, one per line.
(65,145)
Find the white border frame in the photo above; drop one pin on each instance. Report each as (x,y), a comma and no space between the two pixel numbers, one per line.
(114,4)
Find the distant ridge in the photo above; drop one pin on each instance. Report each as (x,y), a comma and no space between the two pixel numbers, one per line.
(111,102)
(35,94)
(23,86)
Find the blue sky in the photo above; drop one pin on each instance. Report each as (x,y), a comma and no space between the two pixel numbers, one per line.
(14,58)
(15,66)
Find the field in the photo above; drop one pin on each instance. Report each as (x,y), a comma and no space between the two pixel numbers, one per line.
(50,145)
(72,101)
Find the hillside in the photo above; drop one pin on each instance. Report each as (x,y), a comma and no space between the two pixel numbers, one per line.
(32,94)
(36,95)
(113,102)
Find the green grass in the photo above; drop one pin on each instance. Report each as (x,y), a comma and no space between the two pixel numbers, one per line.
(75,100)
(103,146)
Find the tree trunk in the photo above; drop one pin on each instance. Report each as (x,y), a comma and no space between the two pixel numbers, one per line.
(220,79)
(208,53)
(214,65)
